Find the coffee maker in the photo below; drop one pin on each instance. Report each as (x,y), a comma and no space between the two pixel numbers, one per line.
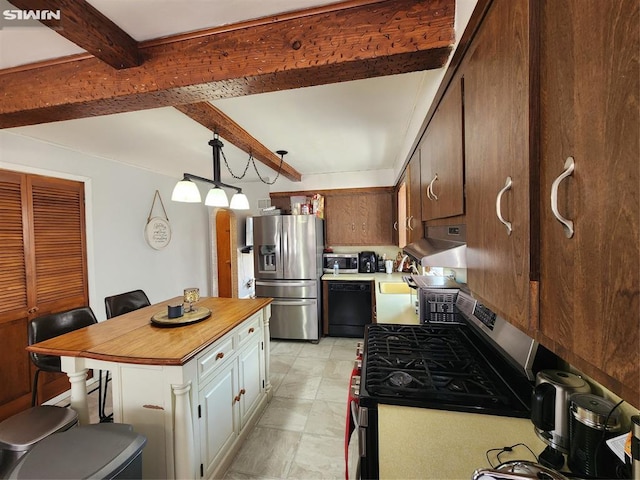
(550,412)
(367,262)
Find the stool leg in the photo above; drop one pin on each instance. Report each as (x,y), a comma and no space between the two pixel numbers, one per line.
(104,396)
(34,390)
(100,404)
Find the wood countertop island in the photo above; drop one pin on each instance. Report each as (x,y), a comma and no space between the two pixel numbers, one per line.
(132,338)
(217,367)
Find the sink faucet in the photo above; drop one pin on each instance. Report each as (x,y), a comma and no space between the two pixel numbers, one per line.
(412,265)
(401,265)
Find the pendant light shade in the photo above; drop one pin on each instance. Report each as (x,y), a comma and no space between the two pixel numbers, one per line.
(239,201)
(217,198)
(186,191)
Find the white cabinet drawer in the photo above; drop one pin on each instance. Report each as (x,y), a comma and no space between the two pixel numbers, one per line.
(250,328)
(215,356)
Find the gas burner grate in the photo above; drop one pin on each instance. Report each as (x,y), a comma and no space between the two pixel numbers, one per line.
(429,362)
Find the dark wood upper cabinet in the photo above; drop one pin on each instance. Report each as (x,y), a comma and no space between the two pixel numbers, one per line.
(497,150)
(359,217)
(589,283)
(442,158)
(413,224)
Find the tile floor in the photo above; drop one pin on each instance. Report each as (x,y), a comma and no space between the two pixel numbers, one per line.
(301,432)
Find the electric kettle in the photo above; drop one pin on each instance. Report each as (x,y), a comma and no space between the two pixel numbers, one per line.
(550,412)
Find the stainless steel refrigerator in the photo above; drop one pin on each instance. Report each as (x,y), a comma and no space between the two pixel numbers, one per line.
(287,267)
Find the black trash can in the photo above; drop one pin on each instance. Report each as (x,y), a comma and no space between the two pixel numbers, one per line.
(104,451)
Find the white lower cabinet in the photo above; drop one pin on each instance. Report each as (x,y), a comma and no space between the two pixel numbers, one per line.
(251,380)
(218,417)
(228,399)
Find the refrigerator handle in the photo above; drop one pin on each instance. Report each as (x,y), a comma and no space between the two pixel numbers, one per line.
(286,283)
(285,252)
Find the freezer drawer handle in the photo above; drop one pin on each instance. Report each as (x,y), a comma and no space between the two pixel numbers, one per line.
(292,302)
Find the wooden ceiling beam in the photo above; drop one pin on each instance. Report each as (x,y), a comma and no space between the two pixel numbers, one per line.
(362,41)
(218,122)
(81,23)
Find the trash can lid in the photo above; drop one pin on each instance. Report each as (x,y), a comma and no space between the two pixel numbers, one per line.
(23,430)
(91,451)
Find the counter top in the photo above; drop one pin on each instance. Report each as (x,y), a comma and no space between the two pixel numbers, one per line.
(131,338)
(377,277)
(426,443)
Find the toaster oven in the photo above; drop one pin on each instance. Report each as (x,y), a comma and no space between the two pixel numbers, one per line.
(347,262)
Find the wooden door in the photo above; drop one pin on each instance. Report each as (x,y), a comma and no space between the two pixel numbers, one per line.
(42,270)
(496,83)
(441,159)
(223,251)
(589,285)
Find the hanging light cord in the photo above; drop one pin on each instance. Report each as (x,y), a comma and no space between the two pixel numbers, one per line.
(252,160)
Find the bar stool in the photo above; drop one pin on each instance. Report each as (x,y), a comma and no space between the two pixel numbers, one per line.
(116,305)
(50,326)
(20,432)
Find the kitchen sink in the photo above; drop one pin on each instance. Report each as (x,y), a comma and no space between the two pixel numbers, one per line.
(394,287)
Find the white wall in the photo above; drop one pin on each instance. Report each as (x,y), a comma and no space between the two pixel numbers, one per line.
(118,200)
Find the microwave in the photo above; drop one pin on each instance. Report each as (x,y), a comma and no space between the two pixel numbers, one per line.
(347,262)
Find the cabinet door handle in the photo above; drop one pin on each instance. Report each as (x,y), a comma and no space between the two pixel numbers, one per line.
(236,399)
(219,355)
(507,186)
(395,226)
(433,195)
(410,222)
(243,391)
(567,225)
(32,310)
(251,330)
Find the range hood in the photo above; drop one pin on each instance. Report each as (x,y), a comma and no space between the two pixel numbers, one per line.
(441,247)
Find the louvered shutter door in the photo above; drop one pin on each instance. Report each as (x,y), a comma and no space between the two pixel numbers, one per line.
(13,273)
(42,267)
(59,243)
(14,360)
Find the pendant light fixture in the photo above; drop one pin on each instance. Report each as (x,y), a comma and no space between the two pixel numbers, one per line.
(187,191)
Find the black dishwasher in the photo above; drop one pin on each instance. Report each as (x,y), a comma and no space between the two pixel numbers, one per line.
(349,308)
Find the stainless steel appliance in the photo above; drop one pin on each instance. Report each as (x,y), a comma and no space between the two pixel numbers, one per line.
(518,470)
(593,420)
(477,364)
(350,307)
(347,262)
(288,266)
(367,262)
(550,412)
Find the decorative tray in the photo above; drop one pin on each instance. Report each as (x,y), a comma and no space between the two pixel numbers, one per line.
(198,314)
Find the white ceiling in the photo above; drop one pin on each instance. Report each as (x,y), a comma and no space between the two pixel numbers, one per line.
(345,127)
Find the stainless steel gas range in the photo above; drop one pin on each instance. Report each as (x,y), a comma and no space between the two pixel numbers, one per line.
(473,362)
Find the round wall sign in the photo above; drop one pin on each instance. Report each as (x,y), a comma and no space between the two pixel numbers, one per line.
(157,232)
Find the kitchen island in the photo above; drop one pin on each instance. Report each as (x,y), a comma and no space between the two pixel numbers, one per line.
(194,391)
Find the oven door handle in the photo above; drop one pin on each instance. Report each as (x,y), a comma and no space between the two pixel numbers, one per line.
(354,413)
(410,282)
